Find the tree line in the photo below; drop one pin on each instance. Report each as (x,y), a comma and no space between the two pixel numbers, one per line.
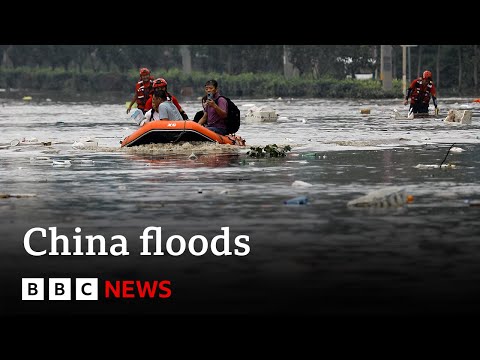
(455,67)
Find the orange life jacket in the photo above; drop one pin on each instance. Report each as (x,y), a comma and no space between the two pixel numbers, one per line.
(422,91)
(143,92)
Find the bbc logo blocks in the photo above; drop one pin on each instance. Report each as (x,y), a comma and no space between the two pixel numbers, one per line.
(59,289)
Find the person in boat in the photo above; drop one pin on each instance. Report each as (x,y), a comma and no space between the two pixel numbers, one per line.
(420,91)
(161,83)
(143,89)
(162,108)
(214,109)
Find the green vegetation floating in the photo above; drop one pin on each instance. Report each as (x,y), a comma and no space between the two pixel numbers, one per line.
(269,151)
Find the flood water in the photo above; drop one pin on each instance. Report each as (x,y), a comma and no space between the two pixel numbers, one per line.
(61,166)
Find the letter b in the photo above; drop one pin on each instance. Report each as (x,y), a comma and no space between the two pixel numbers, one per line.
(59,289)
(32,289)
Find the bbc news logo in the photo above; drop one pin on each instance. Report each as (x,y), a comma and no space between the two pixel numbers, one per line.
(88,289)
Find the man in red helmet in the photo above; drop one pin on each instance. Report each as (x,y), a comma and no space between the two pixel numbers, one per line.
(420,91)
(143,89)
(161,84)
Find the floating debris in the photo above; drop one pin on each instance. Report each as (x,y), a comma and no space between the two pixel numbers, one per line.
(270,150)
(264,113)
(6,196)
(31,139)
(61,163)
(300,183)
(300,200)
(473,202)
(89,142)
(459,116)
(386,197)
(434,166)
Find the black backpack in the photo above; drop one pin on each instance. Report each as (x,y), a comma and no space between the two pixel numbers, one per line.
(233,116)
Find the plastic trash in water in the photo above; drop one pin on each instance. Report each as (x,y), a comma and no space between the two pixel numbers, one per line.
(31,139)
(300,200)
(137,116)
(300,183)
(435,166)
(386,197)
(83,143)
(62,163)
(472,202)
(78,144)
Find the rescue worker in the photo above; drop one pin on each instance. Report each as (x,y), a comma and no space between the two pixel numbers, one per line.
(161,84)
(143,89)
(420,91)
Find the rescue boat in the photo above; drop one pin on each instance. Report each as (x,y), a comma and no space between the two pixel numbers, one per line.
(161,132)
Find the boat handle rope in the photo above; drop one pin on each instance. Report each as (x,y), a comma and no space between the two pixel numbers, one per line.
(183,132)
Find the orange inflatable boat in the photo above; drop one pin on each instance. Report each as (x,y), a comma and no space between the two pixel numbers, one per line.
(160,132)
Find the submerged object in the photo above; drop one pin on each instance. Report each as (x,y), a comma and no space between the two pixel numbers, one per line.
(410,115)
(386,197)
(300,200)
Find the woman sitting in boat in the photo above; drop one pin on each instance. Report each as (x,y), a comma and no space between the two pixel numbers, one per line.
(214,109)
(162,109)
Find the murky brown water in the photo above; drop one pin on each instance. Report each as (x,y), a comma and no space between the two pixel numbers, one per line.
(317,258)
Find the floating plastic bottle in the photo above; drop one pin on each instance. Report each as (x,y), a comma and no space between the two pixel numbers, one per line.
(386,197)
(300,200)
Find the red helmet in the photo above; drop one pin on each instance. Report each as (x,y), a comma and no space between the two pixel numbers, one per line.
(144,71)
(160,82)
(427,74)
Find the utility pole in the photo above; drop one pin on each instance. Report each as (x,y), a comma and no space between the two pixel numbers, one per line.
(404,65)
(386,66)
(288,70)
(186,59)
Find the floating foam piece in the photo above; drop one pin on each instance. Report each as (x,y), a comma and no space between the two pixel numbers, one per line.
(300,183)
(61,163)
(459,116)
(386,197)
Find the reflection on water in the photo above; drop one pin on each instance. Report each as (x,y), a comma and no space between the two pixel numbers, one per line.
(334,258)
